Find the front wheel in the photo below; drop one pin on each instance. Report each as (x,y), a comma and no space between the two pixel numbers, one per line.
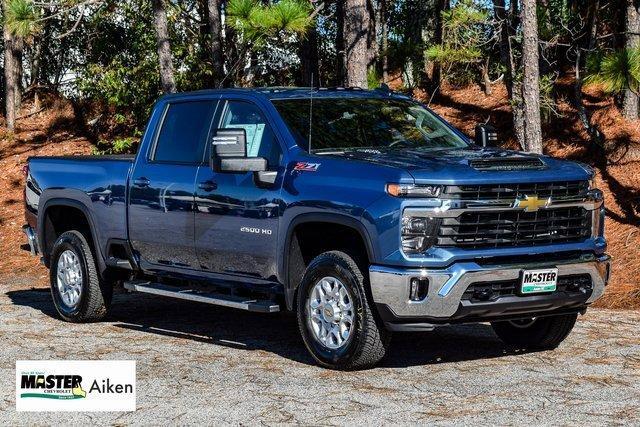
(78,291)
(536,333)
(336,322)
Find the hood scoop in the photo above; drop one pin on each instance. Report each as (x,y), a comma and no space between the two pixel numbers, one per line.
(507,164)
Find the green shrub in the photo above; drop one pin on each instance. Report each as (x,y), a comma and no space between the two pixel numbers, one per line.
(126,145)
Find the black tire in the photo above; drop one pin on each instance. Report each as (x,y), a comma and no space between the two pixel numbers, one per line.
(537,334)
(368,341)
(95,294)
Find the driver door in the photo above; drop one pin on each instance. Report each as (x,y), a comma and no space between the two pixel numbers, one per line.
(236,220)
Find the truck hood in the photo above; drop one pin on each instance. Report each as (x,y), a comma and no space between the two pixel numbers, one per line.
(471,165)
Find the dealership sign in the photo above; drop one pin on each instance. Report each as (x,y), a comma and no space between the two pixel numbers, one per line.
(76,385)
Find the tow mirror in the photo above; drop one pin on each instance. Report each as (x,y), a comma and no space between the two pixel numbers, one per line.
(230,153)
(230,143)
(486,135)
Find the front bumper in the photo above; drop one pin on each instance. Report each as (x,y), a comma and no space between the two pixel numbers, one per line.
(390,289)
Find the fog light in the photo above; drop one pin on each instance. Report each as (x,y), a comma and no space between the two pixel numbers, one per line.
(483,294)
(418,289)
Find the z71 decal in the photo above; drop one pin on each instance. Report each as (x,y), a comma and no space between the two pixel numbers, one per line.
(306,167)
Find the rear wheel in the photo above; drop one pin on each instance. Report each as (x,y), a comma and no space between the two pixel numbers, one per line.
(79,293)
(335,320)
(536,333)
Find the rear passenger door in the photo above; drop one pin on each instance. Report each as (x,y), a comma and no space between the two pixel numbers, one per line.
(236,227)
(161,196)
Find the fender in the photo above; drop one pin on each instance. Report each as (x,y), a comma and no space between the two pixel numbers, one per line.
(283,270)
(64,201)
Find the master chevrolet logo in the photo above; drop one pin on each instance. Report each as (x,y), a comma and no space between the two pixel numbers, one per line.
(531,203)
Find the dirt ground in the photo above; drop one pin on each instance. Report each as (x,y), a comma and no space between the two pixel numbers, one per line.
(200,364)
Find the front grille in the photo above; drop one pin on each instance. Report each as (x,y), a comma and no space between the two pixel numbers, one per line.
(483,292)
(555,190)
(508,164)
(476,229)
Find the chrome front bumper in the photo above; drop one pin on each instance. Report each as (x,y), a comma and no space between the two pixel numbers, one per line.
(390,285)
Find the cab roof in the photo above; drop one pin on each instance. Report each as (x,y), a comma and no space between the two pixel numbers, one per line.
(273,93)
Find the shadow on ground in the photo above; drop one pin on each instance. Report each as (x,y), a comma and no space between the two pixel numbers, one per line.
(274,333)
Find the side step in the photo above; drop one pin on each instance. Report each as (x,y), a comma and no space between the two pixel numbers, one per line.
(242,303)
(119,263)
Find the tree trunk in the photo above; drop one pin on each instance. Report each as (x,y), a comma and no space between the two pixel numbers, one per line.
(441,6)
(506,56)
(12,73)
(631,103)
(167,80)
(356,29)
(217,52)
(518,116)
(531,79)
(340,65)
(372,31)
(18,49)
(232,57)
(486,80)
(309,61)
(385,41)
(36,67)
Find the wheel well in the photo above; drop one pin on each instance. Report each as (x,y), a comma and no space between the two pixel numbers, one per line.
(310,239)
(59,219)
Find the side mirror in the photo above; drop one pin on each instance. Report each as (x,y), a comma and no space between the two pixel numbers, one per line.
(486,136)
(230,143)
(230,153)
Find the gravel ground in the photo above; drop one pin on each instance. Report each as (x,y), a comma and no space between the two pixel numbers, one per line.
(204,364)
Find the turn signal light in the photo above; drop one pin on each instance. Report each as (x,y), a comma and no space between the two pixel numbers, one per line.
(412,190)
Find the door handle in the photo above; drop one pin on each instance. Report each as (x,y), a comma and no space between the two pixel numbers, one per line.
(141,182)
(208,186)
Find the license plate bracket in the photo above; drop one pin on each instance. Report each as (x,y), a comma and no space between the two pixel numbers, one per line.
(538,281)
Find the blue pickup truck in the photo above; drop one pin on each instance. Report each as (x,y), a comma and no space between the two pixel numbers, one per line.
(363,212)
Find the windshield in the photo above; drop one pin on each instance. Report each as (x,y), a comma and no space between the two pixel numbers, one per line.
(365,122)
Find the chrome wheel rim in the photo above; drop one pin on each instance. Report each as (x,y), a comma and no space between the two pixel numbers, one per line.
(69,278)
(330,313)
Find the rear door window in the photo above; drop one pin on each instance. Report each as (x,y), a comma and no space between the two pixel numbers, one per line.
(184,132)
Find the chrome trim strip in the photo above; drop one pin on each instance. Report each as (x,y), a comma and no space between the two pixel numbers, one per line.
(455,208)
(390,285)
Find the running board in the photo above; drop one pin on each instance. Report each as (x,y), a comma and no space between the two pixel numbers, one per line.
(248,304)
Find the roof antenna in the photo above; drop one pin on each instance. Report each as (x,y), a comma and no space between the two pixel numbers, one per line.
(310,111)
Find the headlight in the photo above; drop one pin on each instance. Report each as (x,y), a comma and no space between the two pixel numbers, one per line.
(412,190)
(419,233)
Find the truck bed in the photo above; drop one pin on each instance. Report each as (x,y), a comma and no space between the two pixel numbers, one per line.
(95,184)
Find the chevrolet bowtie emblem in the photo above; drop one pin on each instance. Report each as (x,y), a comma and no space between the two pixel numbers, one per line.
(531,203)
